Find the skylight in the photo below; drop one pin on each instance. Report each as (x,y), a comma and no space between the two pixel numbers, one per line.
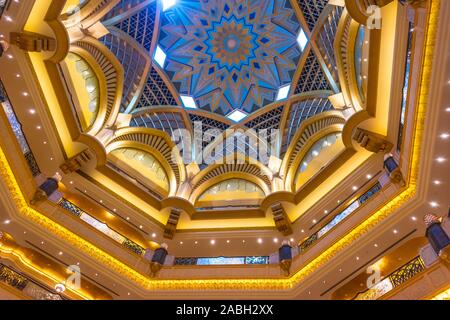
(188,102)
(160,57)
(236,115)
(302,40)
(283,92)
(167,4)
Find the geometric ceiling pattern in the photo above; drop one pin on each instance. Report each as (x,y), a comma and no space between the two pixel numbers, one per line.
(230,55)
(226,55)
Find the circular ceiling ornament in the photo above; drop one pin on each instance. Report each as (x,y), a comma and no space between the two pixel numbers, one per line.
(230,55)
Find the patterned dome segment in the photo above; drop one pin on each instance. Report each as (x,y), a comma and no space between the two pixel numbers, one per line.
(133,62)
(230,54)
(140,25)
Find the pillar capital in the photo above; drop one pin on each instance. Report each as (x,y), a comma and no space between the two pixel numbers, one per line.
(33,42)
(371,141)
(172,222)
(281,219)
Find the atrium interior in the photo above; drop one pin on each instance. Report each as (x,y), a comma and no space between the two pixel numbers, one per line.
(210,149)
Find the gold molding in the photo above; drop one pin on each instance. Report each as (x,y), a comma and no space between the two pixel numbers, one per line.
(146,283)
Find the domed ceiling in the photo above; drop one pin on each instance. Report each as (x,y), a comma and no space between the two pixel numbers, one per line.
(228,58)
(230,55)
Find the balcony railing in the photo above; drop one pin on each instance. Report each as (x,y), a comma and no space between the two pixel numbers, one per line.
(26,285)
(102,227)
(17,129)
(194,261)
(339,217)
(394,280)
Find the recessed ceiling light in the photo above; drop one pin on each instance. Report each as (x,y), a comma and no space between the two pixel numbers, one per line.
(153,235)
(236,115)
(275,240)
(413,218)
(32,111)
(395,231)
(437,182)
(114,209)
(325,211)
(302,40)
(71,182)
(434,204)
(25,94)
(447,109)
(260,240)
(292,239)
(140,227)
(38,127)
(314,221)
(369,176)
(303,231)
(167,4)
(195,242)
(160,57)
(17,75)
(10,56)
(444,135)
(440,159)
(315,153)
(283,92)
(213,241)
(181,242)
(375,245)
(7,222)
(188,102)
(243,241)
(45,142)
(339,201)
(357,258)
(8,18)
(228,241)
(128,218)
(60,253)
(340,269)
(355,188)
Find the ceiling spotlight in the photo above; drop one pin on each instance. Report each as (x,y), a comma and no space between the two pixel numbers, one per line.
(38,127)
(260,240)
(302,231)
(355,188)
(325,211)
(292,239)
(434,204)
(413,218)
(60,253)
(228,241)
(60,288)
(444,135)
(395,231)
(7,222)
(440,159)
(447,109)
(314,221)
(275,240)
(32,111)
(375,245)
(153,235)
(181,242)
(437,182)
(369,176)
(357,258)
(213,241)
(196,242)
